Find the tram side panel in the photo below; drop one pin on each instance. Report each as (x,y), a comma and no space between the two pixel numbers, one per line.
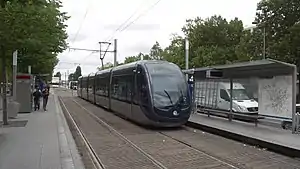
(121,88)
(79,87)
(91,86)
(102,89)
(84,88)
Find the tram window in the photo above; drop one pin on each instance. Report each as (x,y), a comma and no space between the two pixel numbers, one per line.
(122,87)
(101,87)
(90,84)
(129,82)
(142,87)
(98,86)
(115,87)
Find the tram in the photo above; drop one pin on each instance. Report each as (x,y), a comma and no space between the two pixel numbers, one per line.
(149,92)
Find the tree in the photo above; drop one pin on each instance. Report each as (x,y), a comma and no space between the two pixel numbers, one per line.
(212,40)
(175,51)
(58,74)
(156,52)
(250,46)
(71,77)
(77,73)
(106,66)
(130,59)
(36,29)
(281,22)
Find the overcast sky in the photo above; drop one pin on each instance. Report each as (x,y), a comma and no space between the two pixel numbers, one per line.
(97,20)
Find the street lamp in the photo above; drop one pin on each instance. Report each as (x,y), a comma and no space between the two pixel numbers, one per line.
(264,39)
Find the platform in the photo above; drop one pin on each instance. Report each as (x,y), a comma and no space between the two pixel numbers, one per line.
(39,140)
(275,139)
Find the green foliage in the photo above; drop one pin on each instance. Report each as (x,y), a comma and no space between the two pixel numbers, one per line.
(130,59)
(156,52)
(213,40)
(71,77)
(77,73)
(36,29)
(281,21)
(108,65)
(175,51)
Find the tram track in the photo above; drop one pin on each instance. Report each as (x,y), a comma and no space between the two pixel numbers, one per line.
(97,163)
(185,144)
(200,151)
(201,160)
(108,156)
(109,127)
(235,153)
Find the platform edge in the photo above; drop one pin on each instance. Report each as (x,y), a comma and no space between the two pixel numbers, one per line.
(70,158)
(285,150)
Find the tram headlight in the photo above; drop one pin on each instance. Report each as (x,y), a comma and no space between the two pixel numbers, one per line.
(175,113)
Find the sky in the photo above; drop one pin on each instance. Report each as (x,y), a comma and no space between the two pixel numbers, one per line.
(93,21)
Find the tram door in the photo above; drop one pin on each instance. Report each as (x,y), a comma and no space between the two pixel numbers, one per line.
(142,88)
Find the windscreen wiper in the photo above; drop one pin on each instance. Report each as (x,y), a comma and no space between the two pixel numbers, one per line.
(168,96)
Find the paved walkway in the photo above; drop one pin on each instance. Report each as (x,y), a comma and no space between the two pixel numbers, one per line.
(247,131)
(39,140)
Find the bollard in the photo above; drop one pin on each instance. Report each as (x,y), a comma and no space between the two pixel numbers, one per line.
(297,121)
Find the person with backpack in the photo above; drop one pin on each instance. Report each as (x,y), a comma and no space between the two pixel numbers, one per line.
(36,98)
(45,97)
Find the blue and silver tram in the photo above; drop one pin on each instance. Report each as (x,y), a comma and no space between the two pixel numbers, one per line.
(151,93)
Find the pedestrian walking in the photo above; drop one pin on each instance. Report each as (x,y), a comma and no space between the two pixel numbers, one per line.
(41,85)
(45,98)
(48,87)
(36,98)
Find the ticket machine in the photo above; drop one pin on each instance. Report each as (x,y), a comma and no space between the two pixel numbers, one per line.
(24,92)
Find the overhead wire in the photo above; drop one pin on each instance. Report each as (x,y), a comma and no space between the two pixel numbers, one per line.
(124,23)
(88,55)
(138,17)
(132,22)
(137,9)
(120,27)
(60,66)
(80,26)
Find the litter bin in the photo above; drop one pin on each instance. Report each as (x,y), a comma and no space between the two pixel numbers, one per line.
(12,108)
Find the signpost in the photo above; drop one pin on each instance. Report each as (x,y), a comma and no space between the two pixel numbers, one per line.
(13,105)
(15,62)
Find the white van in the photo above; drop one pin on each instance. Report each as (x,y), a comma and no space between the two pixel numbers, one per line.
(216,95)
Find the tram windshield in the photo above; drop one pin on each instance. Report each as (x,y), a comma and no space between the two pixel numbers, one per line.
(167,83)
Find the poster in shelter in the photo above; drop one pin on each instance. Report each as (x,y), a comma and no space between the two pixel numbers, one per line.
(275,96)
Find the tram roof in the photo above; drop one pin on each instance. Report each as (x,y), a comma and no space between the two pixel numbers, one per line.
(129,65)
(258,68)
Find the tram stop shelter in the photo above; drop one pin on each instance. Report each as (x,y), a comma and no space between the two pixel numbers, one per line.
(260,69)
